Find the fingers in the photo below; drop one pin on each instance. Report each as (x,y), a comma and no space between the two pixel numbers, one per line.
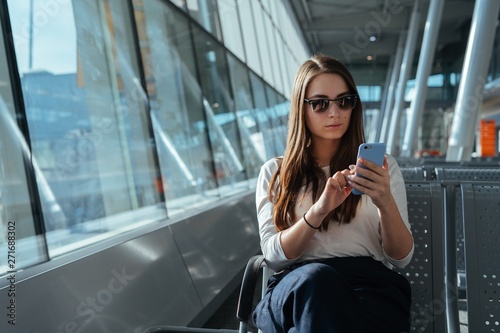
(385,165)
(368,177)
(363,163)
(339,180)
(336,191)
(346,173)
(362,184)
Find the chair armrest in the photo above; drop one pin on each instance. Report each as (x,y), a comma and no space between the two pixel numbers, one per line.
(250,277)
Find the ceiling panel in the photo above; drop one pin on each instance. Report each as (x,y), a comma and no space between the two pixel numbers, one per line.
(341,28)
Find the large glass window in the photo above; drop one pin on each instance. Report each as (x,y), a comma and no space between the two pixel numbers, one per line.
(176,103)
(117,124)
(93,152)
(254,154)
(219,109)
(20,242)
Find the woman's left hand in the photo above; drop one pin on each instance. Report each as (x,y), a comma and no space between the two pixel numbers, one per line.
(396,238)
(376,181)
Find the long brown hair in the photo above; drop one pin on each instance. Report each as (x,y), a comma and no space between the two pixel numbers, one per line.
(298,167)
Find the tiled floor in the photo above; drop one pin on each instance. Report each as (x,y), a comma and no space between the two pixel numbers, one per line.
(225,317)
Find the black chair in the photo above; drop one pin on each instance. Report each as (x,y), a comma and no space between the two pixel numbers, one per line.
(255,265)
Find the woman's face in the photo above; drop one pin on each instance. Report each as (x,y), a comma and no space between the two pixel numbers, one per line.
(329,126)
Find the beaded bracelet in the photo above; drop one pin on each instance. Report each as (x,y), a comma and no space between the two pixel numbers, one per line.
(309,224)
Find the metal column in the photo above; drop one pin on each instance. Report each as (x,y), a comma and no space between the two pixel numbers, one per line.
(403,78)
(475,69)
(389,102)
(424,68)
(374,136)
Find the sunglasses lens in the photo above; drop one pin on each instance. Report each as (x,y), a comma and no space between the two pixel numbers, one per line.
(320,105)
(346,103)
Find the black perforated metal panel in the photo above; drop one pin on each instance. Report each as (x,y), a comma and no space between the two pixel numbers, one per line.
(482,248)
(426,268)
(412,173)
(463,173)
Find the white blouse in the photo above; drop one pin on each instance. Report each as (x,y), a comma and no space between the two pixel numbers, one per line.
(360,237)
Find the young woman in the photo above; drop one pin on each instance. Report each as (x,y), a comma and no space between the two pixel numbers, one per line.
(333,250)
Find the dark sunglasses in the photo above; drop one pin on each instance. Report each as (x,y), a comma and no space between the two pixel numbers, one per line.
(344,103)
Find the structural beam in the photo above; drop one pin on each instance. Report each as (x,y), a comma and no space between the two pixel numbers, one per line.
(375,136)
(392,141)
(424,69)
(475,68)
(389,101)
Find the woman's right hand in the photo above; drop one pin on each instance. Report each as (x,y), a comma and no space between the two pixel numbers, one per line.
(295,239)
(337,189)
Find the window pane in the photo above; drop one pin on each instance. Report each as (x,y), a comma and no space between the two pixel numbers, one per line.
(261,114)
(179,3)
(17,223)
(231,27)
(249,36)
(369,93)
(370,120)
(260,30)
(273,56)
(253,147)
(178,114)
(278,115)
(219,109)
(205,12)
(88,122)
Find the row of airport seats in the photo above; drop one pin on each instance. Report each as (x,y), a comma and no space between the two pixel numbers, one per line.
(454,211)
(436,169)
(456,227)
(487,171)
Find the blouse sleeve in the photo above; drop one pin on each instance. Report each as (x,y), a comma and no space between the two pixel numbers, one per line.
(269,236)
(398,190)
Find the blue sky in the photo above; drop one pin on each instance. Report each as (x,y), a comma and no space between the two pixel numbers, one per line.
(54,35)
